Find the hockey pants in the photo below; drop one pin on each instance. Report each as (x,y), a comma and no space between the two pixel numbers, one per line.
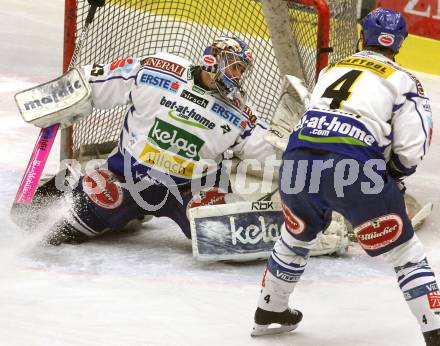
(379,220)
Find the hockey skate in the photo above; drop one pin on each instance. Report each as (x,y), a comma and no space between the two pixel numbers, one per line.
(432,338)
(287,320)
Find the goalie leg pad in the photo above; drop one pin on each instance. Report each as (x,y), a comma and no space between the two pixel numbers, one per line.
(101,203)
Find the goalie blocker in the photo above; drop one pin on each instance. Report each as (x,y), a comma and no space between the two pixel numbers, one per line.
(63,101)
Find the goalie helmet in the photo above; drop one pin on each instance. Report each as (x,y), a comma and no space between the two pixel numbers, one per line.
(229,61)
(384,28)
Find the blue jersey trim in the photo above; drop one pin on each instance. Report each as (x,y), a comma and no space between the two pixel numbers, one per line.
(300,251)
(415,276)
(110,78)
(410,96)
(399,165)
(397,107)
(421,290)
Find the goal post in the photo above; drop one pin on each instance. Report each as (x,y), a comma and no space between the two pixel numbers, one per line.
(296,37)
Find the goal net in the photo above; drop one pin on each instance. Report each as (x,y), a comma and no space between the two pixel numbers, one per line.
(137,28)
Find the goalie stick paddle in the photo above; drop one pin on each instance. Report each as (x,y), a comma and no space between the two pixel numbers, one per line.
(40,154)
(419,218)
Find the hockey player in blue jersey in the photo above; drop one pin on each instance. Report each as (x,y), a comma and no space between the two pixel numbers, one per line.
(180,120)
(368,126)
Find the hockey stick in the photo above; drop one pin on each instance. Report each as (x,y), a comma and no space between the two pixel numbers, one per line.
(40,154)
(419,218)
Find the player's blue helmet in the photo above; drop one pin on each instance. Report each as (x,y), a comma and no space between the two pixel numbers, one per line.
(223,55)
(384,28)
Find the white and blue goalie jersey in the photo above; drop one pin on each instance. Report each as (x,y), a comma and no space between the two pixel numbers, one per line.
(172,125)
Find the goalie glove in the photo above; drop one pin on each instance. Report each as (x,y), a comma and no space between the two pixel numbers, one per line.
(294,100)
(334,240)
(63,101)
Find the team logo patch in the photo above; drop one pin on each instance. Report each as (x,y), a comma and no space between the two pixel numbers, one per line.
(175,140)
(97,70)
(160,81)
(125,65)
(230,115)
(198,89)
(225,128)
(315,126)
(175,86)
(380,69)
(434,300)
(210,197)
(120,63)
(380,232)
(251,117)
(186,115)
(386,39)
(209,60)
(194,98)
(419,86)
(293,223)
(103,189)
(167,163)
(164,65)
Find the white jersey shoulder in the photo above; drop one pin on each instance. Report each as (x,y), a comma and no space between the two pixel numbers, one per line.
(386,98)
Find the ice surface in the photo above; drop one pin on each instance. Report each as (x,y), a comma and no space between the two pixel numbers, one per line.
(144,287)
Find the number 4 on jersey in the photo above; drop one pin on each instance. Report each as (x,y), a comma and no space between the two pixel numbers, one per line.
(340,90)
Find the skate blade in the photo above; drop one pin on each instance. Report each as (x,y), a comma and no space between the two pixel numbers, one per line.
(259,330)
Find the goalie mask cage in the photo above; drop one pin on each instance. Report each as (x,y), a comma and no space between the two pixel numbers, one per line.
(318,32)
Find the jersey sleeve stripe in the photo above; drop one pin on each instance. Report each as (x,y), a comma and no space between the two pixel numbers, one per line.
(111,78)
